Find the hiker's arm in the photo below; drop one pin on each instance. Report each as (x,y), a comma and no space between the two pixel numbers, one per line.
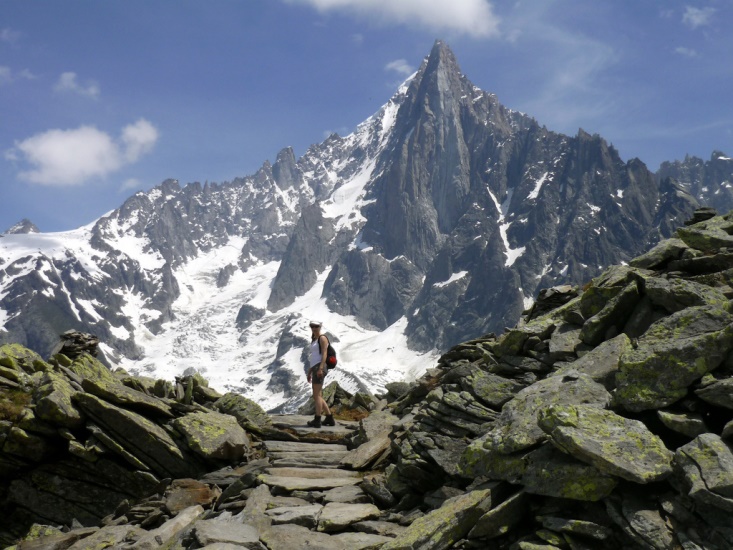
(324,351)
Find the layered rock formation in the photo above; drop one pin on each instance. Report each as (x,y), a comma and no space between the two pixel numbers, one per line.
(602,420)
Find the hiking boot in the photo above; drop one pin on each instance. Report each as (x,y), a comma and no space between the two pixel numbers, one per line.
(315,423)
(329,421)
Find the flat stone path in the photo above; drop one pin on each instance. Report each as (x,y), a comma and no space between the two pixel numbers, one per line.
(330,504)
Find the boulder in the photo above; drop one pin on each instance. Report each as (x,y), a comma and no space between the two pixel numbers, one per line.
(706,465)
(661,254)
(516,428)
(445,526)
(615,445)
(601,363)
(213,531)
(719,392)
(249,414)
(671,355)
(118,394)
(501,518)
(144,439)
(213,435)
(53,400)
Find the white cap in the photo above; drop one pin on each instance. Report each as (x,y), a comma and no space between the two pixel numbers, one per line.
(316,323)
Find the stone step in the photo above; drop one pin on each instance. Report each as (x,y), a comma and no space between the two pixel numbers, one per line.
(311,473)
(306,484)
(318,462)
(301,421)
(312,458)
(296,446)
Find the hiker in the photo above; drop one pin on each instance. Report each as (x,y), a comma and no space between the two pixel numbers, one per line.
(316,374)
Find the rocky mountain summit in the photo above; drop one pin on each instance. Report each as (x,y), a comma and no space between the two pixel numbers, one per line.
(439,218)
(601,420)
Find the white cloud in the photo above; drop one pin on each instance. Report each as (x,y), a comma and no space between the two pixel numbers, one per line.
(67,83)
(72,157)
(9,36)
(686,52)
(400,66)
(473,17)
(697,17)
(131,183)
(8,76)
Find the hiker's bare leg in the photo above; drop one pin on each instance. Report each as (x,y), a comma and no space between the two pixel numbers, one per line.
(317,399)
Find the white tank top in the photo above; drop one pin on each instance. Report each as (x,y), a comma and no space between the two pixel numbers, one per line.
(315,352)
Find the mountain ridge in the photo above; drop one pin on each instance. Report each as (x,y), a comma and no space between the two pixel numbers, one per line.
(439,218)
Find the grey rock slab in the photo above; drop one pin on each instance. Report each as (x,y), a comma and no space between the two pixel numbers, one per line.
(144,439)
(677,294)
(563,341)
(441,528)
(360,541)
(228,546)
(718,393)
(689,424)
(368,452)
(280,501)
(300,447)
(666,251)
(550,472)
(517,429)
(613,315)
(349,494)
(118,394)
(376,424)
(212,531)
(295,537)
(297,460)
(306,484)
(672,354)
(615,445)
(501,518)
(109,537)
(307,516)
(329,463)
(492,389)
(706,464)
(169,530)
(601,363)
(337,516)
(311,473)
(640,519)
(213,435)
(576,526)
(378,527)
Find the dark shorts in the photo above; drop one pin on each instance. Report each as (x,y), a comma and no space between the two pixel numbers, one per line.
(318,379)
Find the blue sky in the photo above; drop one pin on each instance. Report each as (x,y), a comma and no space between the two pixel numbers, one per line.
(99,99)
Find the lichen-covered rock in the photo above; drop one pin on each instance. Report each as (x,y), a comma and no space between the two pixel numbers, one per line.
(17,357)
(706,465)
(709,235)
(719,392)
(663,253)
(613,316)
(552,473)
(54,402)
(443,527)
(501,518)
(126,397)
(249,414)
(677,294)
(87,366)
(516,428)
(688,424)
(615,445)
(671,355)
(147,441)
(213,435)
(641,520)
(491,389)
(601,363)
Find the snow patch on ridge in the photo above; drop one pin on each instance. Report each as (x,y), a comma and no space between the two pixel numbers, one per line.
(453,278)
(512,254)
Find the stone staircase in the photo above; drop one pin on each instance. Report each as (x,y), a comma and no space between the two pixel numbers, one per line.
(300,495)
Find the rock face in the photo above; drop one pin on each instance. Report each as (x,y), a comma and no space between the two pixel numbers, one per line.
(439,218)
(76,440)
